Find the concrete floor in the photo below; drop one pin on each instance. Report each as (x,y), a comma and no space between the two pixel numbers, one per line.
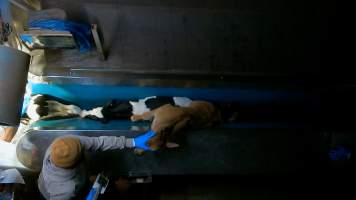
(205,36)
(244,188)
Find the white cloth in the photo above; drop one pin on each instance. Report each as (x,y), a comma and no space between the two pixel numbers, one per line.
(11,176)
(8,158)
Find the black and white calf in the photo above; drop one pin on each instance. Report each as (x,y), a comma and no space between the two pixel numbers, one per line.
(47,107)
(116,109)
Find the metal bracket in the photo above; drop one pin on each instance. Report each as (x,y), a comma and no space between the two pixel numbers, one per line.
(98,44)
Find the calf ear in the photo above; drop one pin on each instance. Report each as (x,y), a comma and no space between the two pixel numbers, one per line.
(172,145)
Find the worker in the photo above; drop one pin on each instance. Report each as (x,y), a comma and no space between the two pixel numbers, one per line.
(63,173)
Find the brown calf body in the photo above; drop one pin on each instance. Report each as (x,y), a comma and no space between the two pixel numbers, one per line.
(168,121)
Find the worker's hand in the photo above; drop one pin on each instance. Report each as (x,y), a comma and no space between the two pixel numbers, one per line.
(140,141)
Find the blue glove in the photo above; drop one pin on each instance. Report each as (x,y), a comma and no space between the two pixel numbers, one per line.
(339,153)
(140,141)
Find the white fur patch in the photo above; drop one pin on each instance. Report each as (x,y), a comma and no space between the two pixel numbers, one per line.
(2,130)
(139,107)
(32,109)
(94,112)
(182,101)
(55,106)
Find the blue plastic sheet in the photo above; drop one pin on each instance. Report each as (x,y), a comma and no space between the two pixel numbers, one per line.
(339,153)
(86,99)
(81,32)
(26,38)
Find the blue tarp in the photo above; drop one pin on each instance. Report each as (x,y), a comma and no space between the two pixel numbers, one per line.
(89,96)
(81,32)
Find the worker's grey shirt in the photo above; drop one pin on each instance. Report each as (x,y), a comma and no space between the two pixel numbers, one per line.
(62,184)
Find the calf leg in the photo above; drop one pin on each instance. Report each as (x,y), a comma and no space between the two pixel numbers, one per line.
(176,129)
(144,117)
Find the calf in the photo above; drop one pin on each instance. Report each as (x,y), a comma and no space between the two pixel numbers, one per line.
(47,107)
(168,121)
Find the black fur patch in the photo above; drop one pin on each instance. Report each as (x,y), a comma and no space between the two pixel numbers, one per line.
(117,110)
(43,110)
(43,98)
(229,111)
(159,101)
(40,100)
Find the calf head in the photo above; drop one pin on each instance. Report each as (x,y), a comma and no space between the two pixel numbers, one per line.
(204,114)
(229,111)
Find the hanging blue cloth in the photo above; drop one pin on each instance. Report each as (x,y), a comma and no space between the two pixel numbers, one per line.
(81,32)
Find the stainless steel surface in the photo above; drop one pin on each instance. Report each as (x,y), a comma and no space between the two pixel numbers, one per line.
(137,78)
(185,79)
(202,152)
(14,66)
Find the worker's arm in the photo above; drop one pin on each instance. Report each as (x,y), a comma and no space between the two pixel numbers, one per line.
(8,134)
(104,143)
